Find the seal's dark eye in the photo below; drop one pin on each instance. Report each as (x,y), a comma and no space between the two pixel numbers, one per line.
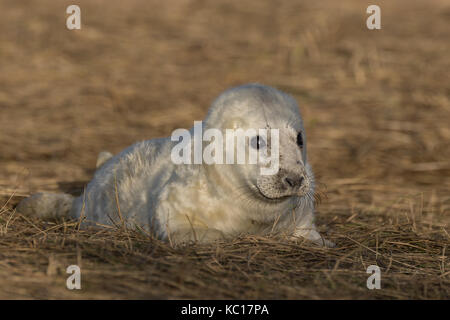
(257,142)
(300,140)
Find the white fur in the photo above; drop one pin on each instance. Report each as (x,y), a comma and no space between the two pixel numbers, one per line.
(206,202)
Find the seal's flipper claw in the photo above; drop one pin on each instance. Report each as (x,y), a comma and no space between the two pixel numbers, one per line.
(325,243)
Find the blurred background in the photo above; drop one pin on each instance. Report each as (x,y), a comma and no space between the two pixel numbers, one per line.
(375,102)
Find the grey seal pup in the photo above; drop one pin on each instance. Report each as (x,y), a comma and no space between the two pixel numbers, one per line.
(141,187)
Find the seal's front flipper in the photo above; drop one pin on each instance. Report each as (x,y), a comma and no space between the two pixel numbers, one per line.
(197,234)
(314,236)
(102,158)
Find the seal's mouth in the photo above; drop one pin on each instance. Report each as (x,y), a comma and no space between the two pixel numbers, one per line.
(277,199)
(301,193)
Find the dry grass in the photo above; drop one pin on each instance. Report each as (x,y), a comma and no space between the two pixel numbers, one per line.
(117,263)
(376,105)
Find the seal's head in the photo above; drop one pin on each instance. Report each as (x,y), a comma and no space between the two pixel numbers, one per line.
(256,107)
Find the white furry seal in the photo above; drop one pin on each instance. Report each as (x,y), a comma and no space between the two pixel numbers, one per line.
(142,187)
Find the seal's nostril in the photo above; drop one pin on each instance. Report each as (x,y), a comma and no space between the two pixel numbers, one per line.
(301,181)
(292,183)
(289,182)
